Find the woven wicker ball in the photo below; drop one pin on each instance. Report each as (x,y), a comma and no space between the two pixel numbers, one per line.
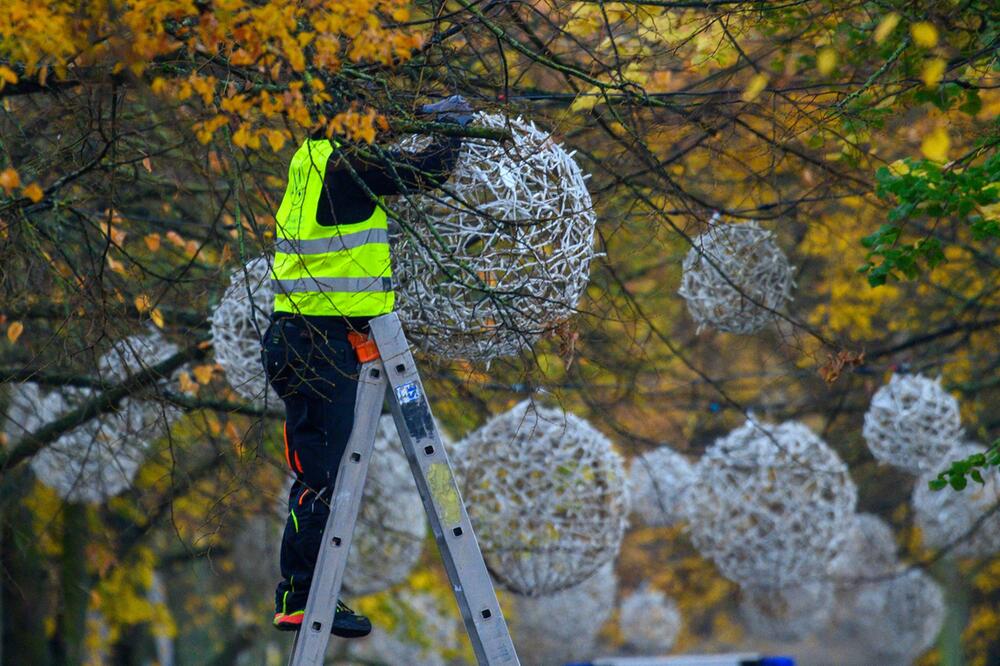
(503,255)
(88,464)
(903,616)
(658,483)
(869,551)
(772,506)
(649,621)
(146,408)
(787,614)
(238,323)
(424,634)
(541,641)
(389,535)
(946,517)
(734,277)
(547,496)
(912,423)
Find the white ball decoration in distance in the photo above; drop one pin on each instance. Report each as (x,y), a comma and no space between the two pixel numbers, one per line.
(544,629)
(735,277)
(869,552)
(423,636)
(547,496)
(503,255)
(912,423)
(649,621)
(238,321)
(968,522)
(389,536)
(903,615)
(788,613)
(658,483)
(772,505)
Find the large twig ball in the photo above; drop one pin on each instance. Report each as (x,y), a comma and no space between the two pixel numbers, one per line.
(735,277)
(238,322)
(649,621)
(547,496)
(787,614)
(772,505)
(967,522)
(503,254)
(903,616)
(541,641)
(912,423)
(658,483)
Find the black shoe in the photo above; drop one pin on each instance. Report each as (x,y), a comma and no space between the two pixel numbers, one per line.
(346,623)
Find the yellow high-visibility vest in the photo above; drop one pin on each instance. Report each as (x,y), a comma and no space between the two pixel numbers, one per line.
(342,269)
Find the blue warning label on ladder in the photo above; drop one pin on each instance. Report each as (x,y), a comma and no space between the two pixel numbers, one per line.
(407,393)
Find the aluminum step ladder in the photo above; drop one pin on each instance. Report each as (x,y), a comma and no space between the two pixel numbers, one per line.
(392,375)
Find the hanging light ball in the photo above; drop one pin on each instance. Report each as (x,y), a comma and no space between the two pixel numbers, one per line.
(772,505)
(967,522)
(238,322)
(503,254)
(903,616)
(658,483)
(735,277)
(787,614)
(912,423)
(869,551)
(389,537)
(649,621)
(541,641)
(547,496)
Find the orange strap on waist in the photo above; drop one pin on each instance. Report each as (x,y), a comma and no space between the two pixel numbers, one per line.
(364,347)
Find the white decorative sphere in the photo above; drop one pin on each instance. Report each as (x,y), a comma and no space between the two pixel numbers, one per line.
(547,496)
(912,423)
(541,641)
(787,613)
(772,506)
(903,615)
(423,635)
(658,483)
(869,551)
(238,323)
(649,621)
(389,536)
(946,517)
(735,277)
(503,255)
(91,462)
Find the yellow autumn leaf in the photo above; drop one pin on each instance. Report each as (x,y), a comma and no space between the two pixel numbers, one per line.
(142,303)
(152,242)
(7,75)
(899,168)
(935,145)
(115,265)
(157,317)
(186,384)
(9,179)
(276,139)
(826,60)
(755,87)
(924,34)
(933,71)
(14,331)
(886,26)
(584,101)
(203,373)
(33,192)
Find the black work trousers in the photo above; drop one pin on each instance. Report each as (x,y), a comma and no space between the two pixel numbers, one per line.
(313,368)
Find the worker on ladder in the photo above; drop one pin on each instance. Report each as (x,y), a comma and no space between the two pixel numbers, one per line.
(331,274)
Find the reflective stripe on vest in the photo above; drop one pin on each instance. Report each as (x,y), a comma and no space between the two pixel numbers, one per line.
(327,270)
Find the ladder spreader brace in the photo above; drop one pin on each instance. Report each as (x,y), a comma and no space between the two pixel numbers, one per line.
(388,371)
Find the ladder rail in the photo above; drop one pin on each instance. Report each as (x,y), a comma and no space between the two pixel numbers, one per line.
(450,523)
(309,646)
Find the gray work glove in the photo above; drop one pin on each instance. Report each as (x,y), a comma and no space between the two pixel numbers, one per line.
(452,109)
